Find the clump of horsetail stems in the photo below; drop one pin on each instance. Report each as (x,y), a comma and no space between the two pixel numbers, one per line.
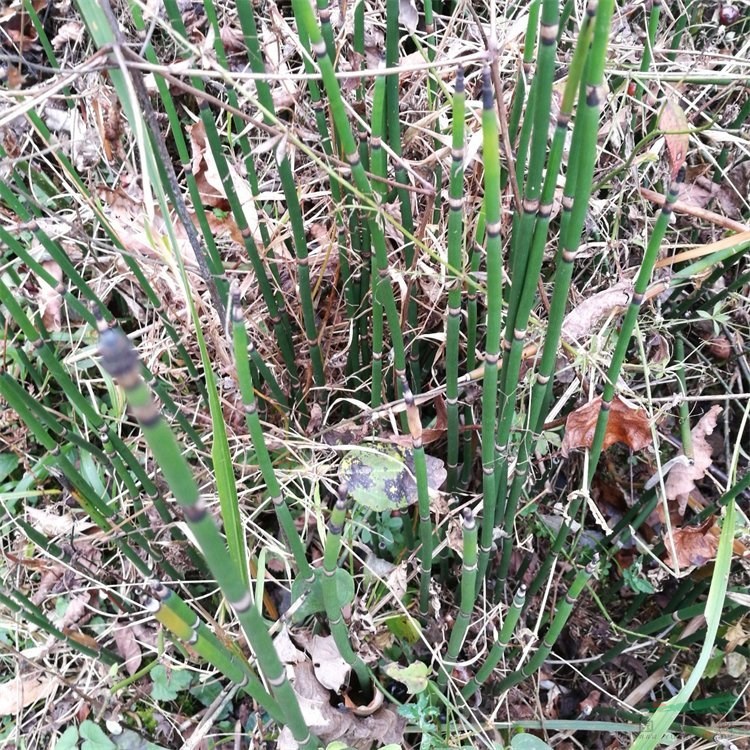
(121,362)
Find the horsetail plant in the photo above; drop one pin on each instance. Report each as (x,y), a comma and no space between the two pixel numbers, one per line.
(498,647)
(120,360)
(455,266)
(247,390)
(330,592)
(175,615)
(491,156)
(628,323)
(553,633)
(468,596)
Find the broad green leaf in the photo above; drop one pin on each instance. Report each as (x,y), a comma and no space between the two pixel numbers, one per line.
(68,740)
(415,676)
(525,741)
(166,685)
(383,478)
(94,737)
(404,628)
(312,603)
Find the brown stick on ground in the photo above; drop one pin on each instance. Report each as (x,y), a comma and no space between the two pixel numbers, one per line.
(701,213)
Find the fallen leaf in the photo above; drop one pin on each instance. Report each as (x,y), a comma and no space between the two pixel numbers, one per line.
(625,425)
(683,476)
(329,723)
(735,636)
(580,322)
(331,670)
(694,545)
(128,647)
(383,479)
(408,14)
(22,691)
(50,297)
(674,124)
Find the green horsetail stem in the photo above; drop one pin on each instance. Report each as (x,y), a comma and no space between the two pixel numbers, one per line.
(379,168)
(468,596)
(648,47)
(247,391)
(393,108)
(423,497)
(330,592)
(528,245)
(508,503)
(175,615)
(628,323)
(475,262)
(306,18)
(455,268)
(540,100)
(499,646)
(685,433)
(120,360)
(494,304)
(555,628)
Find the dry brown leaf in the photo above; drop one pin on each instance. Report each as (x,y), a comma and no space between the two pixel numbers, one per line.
(625,425)
(331,670)
(70,31)
(673,122)
(128,647)
(329,723)
(694,545)
(22,691)
(682,478)
(580,322)
(16,23)
(408,14)
(50,298)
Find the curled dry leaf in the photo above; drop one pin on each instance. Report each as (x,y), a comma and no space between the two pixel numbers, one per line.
(683,476)
(580,322)
(673,122)
(128,647)
(408,14)
(693,545)
(22,691)
(329,723)
(331,670)
(625,425)
(50,297)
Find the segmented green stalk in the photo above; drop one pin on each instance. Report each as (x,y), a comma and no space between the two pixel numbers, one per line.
(471,344)
(628,323)
(540,98)
(305,17)
(529,240)
(330,594)
(555,628)
(685,433)
(378,167)
(175,615)
(393,98)
(423,497)
(500,644)
(455,267)
(468,596)
(244,378)
(120,361)
(508,503)
(491,156)
(649,43)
